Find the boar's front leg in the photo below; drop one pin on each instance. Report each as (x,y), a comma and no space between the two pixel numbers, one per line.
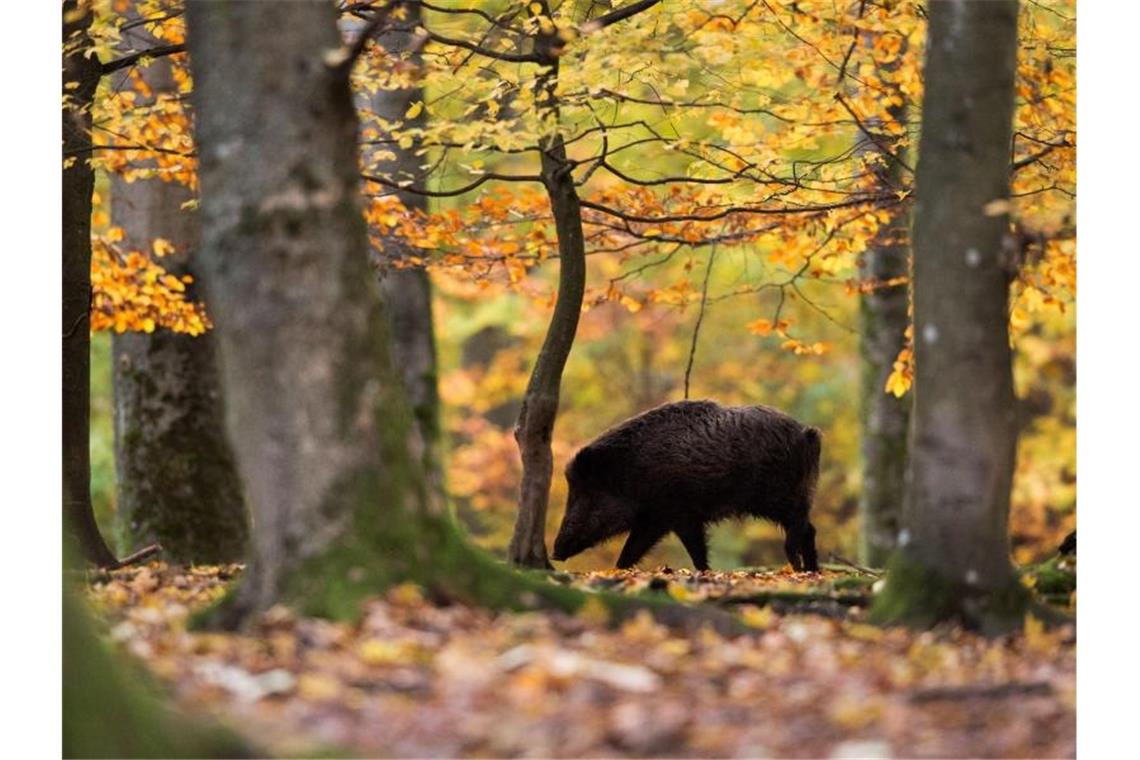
(799,546)
(693,537)
(643,537)
(807,550)
(793,544)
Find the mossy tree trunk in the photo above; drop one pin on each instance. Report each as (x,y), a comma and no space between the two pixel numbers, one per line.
(327,446)
(535,427)
(111,708)
(178,484)
(406,291)
(81,74)
(953,556)
(885,418)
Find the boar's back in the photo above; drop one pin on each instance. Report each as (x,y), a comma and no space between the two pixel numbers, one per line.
(701,450)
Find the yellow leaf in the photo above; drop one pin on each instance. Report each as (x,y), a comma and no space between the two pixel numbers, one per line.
(997,207)
(757,617)
(1036,637)
(759,326)
(318,687)
(162,247)
(414,110)
(594,611)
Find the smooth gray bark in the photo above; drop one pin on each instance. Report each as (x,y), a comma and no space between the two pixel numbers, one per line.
(885,418)
(177,480)
(953,558)
(406,291)
(78,183)
(325,442)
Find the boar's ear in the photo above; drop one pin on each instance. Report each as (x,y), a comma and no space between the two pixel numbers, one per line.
(812,439)
(588,466)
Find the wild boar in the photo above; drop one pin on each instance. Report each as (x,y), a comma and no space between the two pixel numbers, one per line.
(684,465)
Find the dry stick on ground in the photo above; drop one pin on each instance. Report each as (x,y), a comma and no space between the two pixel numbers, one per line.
(865,570)
(137,557)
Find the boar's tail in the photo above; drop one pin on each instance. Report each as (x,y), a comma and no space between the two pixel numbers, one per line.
(812,446)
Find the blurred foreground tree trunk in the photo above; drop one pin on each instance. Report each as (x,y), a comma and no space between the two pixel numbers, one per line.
(885,417)
(953,556)
(177,480)
(111,708)
(406,291)
(329,453)
(81,74)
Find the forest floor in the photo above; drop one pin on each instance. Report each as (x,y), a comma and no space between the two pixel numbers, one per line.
(413,679)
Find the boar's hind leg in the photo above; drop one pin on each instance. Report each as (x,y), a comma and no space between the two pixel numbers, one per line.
(642,538)
(696,544)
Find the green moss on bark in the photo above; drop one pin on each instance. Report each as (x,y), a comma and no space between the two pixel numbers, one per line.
(920,597)
(111,708)
(177,480)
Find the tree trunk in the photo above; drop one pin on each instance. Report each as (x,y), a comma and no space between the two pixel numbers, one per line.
(327,447)
(883,322)
(406,292)
(953,556)
(535,425)
(318,421)
(178,484)
(78,182)
(111,708)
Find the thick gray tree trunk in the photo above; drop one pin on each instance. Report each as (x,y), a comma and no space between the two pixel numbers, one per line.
(177,480)
(953,558)
(326,448)
(883,322)
(407,291)
(78,183)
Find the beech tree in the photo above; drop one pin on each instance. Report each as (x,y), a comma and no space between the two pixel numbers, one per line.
(177,482)
(406,288)
(883,326)
(953,558)
(327,446)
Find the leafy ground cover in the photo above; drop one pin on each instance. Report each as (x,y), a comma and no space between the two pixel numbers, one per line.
(417,677)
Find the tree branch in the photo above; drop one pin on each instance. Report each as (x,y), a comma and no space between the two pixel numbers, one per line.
(130,60)
(621,14)
(456,191)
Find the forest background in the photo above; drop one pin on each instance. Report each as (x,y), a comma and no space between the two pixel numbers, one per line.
(651,287)
(1105,377)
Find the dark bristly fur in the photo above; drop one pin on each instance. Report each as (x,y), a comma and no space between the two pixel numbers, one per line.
(684,465)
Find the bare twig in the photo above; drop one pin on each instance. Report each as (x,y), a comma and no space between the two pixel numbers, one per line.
(865,570)
(137,557)
(700,318)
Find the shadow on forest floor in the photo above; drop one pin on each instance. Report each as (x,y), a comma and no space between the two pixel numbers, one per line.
(416,679)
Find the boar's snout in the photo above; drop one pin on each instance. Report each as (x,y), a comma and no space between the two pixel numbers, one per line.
(563,544)
(572,533)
